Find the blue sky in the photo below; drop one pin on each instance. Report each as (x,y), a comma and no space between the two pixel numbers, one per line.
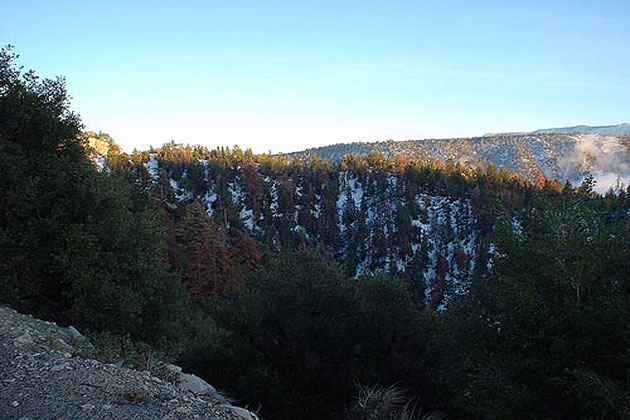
(281,76)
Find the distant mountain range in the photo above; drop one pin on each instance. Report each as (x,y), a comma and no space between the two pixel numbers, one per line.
(567,153)
(615,129)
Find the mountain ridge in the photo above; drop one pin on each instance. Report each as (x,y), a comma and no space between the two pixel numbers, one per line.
(566,156)
(612,129)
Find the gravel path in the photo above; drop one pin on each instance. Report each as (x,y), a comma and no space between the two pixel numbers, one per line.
(39,379)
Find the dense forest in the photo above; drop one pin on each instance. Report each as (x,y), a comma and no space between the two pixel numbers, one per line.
(368,288)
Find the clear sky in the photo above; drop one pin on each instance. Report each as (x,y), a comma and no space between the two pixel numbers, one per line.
(286,75)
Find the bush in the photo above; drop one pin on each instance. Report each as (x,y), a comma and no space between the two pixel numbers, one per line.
(379,403)
(301,335)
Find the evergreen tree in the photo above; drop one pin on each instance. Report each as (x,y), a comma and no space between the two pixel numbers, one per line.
(76,245)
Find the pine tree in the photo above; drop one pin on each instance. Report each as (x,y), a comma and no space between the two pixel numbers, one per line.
(246,251)
(210,266)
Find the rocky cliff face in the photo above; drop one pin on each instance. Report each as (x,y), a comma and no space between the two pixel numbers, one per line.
(41,377)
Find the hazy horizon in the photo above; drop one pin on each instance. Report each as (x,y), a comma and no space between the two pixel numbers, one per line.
(283,76)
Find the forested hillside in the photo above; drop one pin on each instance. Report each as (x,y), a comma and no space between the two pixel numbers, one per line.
(372,287)
(553,154)
(425,222)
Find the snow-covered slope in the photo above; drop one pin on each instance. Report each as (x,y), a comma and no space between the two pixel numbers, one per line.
(369,222)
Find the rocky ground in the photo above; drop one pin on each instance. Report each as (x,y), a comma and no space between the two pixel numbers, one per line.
(41,378)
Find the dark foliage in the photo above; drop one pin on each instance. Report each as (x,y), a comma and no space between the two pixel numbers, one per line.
(302,335)
(547,334)
(77,245)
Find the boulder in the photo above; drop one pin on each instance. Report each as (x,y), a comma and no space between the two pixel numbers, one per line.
(174,368)
(241,413)
(196,385)
(74,332)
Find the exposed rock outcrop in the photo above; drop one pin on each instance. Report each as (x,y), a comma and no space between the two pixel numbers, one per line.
(41,379)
